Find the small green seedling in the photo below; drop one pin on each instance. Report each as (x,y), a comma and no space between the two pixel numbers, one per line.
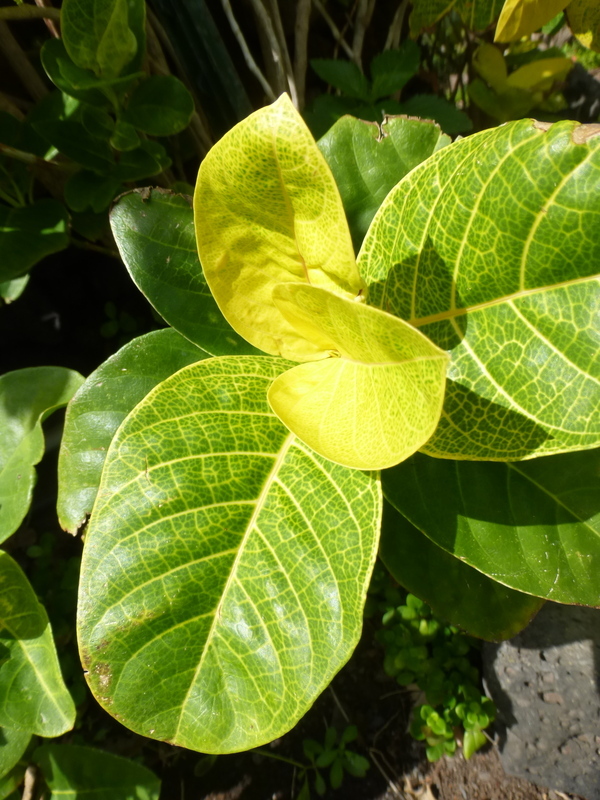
(332,755)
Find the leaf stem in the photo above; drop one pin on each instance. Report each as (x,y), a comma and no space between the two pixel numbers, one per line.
(285,759)
(96,248)
(30,12)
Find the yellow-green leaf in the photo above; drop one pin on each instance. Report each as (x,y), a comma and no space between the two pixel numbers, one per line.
(267,211)
(538,76)
(490,64)
(376,399)
(522,17)
(584,21)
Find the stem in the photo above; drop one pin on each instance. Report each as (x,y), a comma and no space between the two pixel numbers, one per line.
(29,158)
(301,49)
(334,29)
(283,48)
(96,248)
(30,12)
(363,19)
(285,760)
(20,63)
(250,62)
(393,38)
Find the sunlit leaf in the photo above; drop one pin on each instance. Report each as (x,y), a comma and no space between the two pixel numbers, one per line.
(521,17)
(33,696)
(99,407)
(531,525)
(13,744)
(491,248)
(584,20)
(27,397)
(225,564)
(375,396)
(267,211)
(29,234)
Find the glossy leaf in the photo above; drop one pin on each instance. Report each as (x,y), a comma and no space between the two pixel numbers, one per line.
(368,160)
(29,234)
(27,397)
(531,525)
(154,231)
(540,75)
(455,591)
(267,211)
(13,744)
(584,20)
(33,696)
(97,35)
(376,394)
(521,17)
(392,69)
(160,106)
(13,289)
(225,564)
(99,407)
(73,772)
(504,278)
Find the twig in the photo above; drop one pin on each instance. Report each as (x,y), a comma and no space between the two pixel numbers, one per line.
(339,705)
(338,36)
(271,44)
(30,12)
(287,63)
(29,782)
(20,63)
(51,24)
(29,158)
(363,19)
(391,785)
(96,248)
(393,37)
(250,62)
(6,104)
(301,49)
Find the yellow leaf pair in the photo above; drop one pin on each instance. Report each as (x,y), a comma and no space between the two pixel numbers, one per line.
(277,255)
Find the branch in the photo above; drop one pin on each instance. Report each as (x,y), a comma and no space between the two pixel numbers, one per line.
(301,49)
(20,63)
(30,12)
(283,49)
(363,19)
(250,62)
(334,29)
(393,37)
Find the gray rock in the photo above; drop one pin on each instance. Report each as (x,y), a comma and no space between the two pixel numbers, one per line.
(546,685)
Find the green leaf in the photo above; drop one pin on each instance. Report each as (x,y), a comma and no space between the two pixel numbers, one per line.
(531,525)
(57,119)
(27,397)
(97,35)
(149,159)
(472,742)
(29,234)
(79,83)
(425,13)
(85,190)
(368,160)
(479,14)
(13,744)
(584,20)
(33,696)
(375,394)
(154,231)
(99,407)
(455,591)
(343,75)
(13,289)
(73,772)
(225,564)
(467,249)
(428,106)
(11,782)
(392,69)
(160,106)
(267,211)
(125,137)
(522,17)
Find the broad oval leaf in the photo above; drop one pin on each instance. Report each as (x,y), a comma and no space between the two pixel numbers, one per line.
(29,234)
(160,106)
(455,591)
(368,160)
(27,397)
(101,405)
(73,773)
(521,17)
(491,248)
(13,744)
(531,525)
(97,34)
(267,211)
(225,564)
(584,20)
(378,396)
(33,696)
(154,231)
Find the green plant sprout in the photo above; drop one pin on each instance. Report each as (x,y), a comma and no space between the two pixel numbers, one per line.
(422,650)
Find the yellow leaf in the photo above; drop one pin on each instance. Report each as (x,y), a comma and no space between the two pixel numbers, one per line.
(521,17)
(490,64)
(267,210)
(584,20)
(539,76)
(376,399)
